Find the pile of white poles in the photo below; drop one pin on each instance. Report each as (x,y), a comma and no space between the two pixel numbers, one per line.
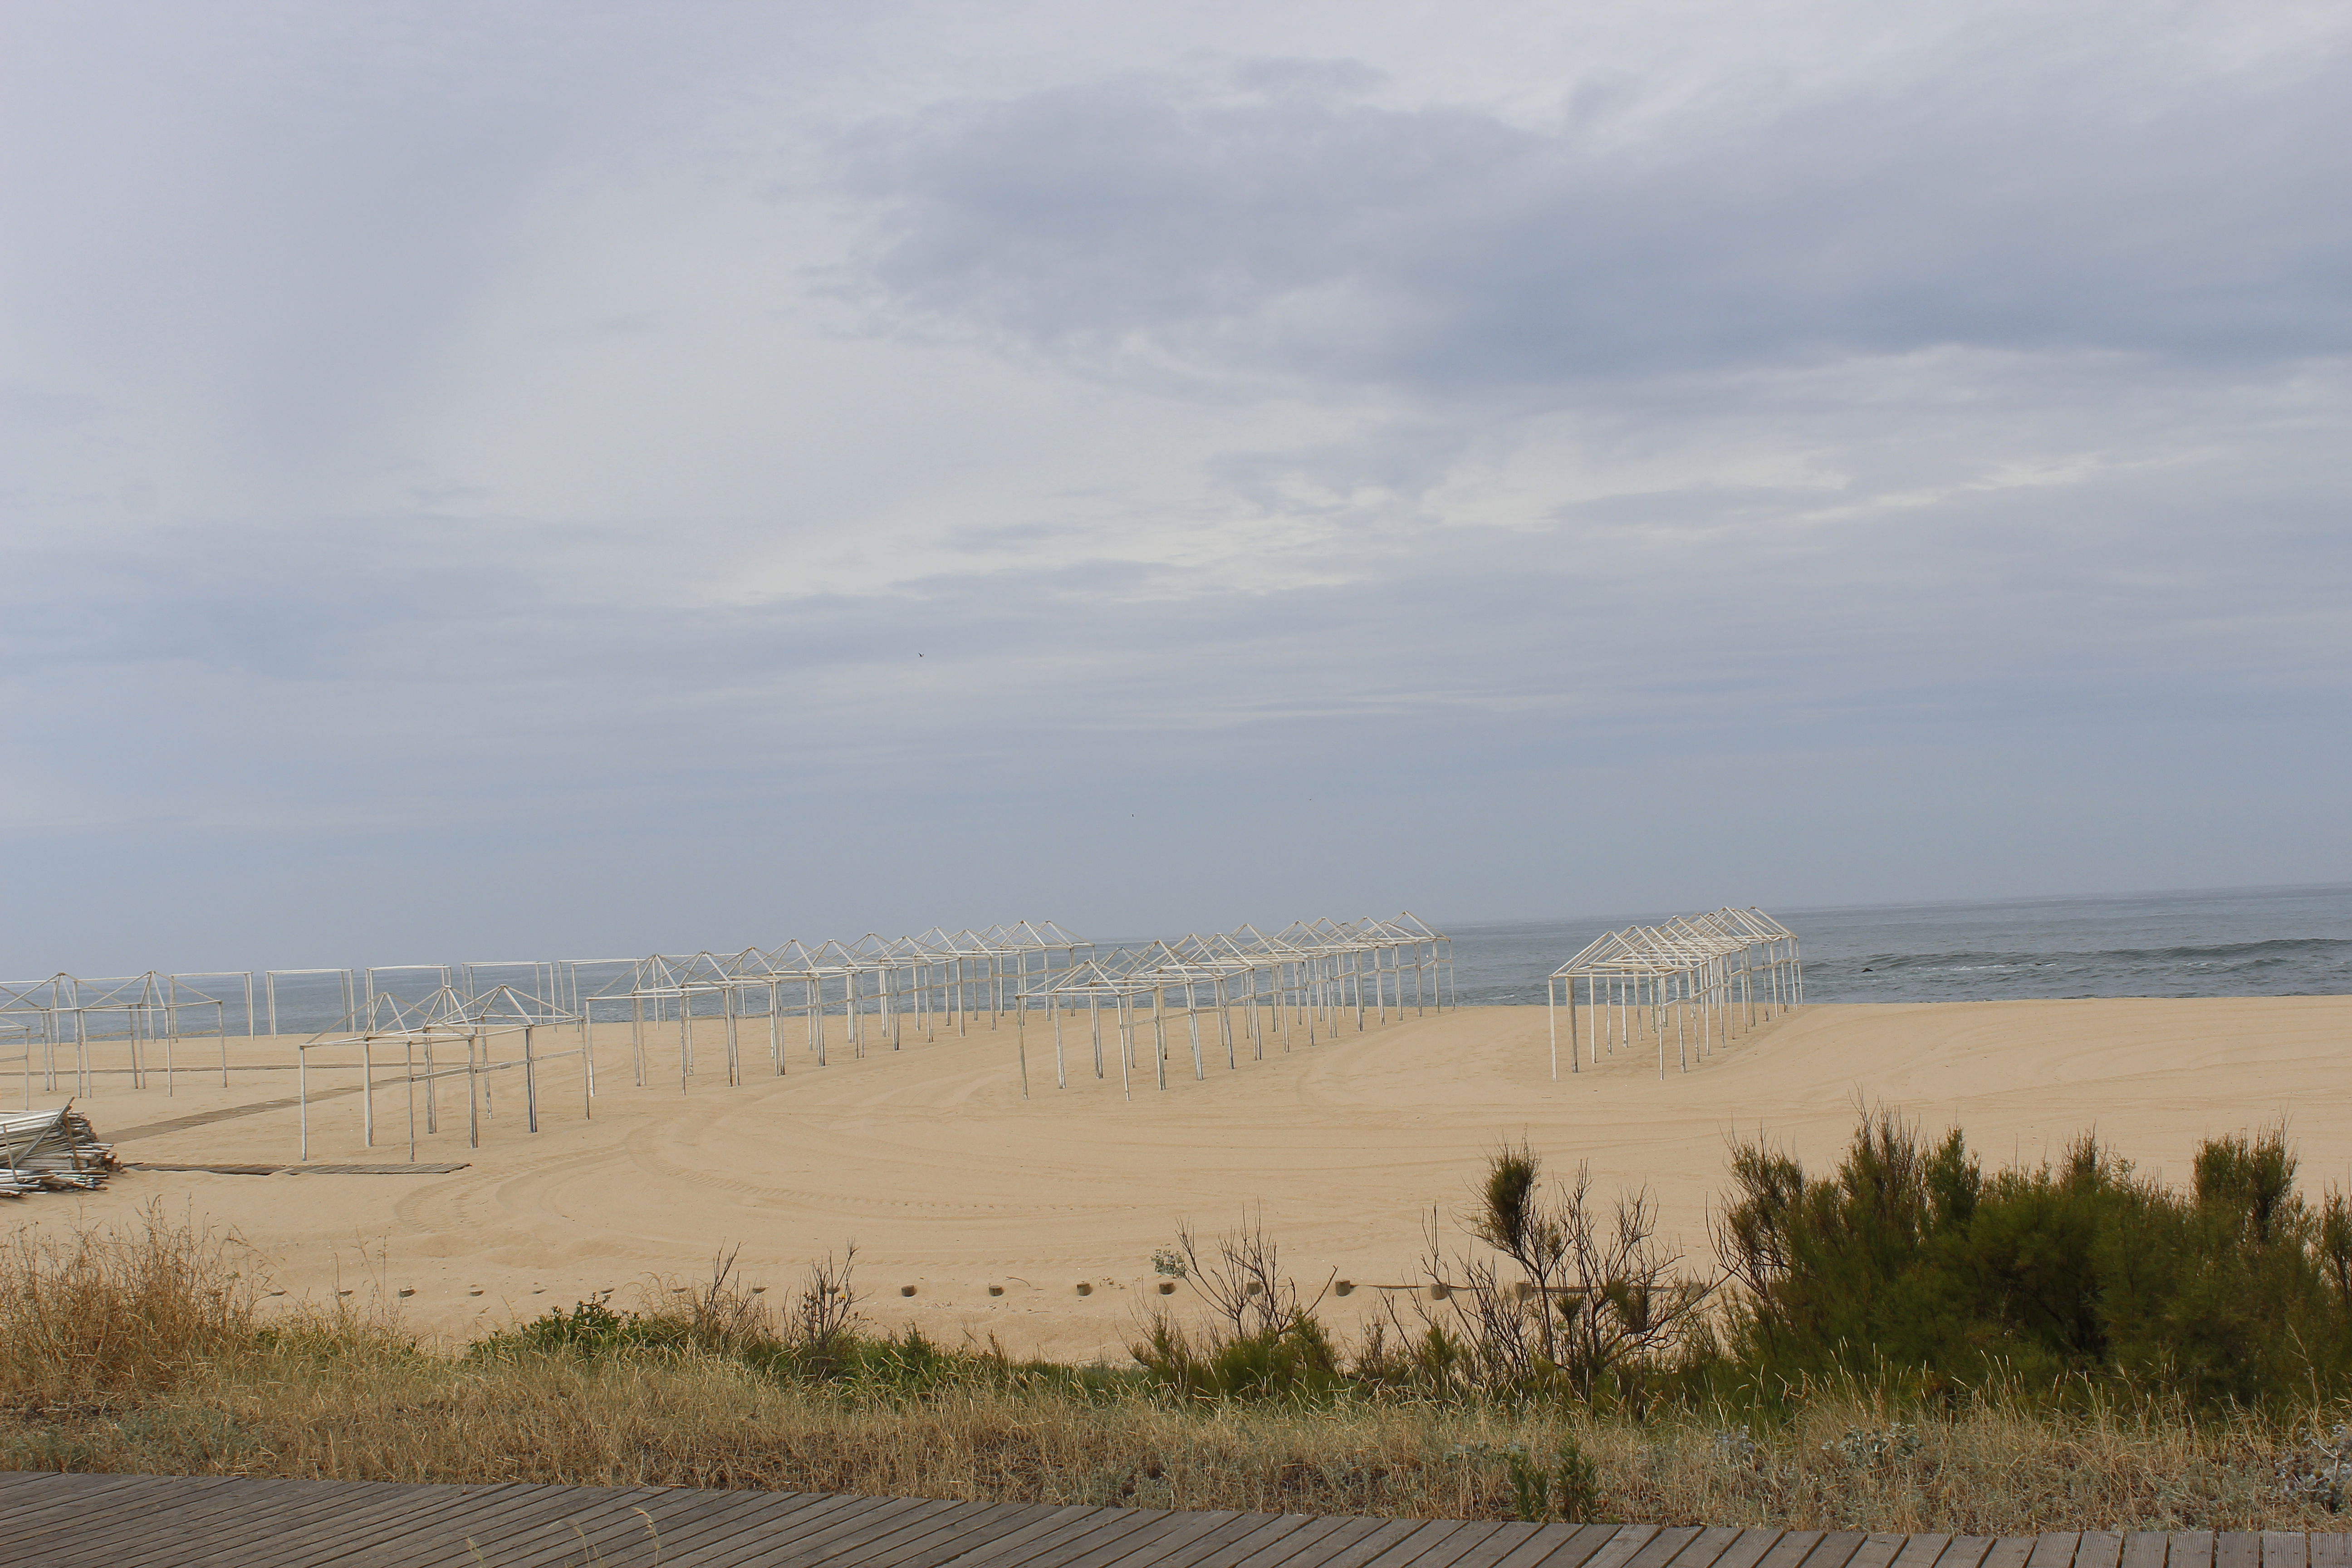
(51,1151)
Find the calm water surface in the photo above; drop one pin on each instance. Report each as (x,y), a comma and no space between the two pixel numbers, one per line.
(2248,941)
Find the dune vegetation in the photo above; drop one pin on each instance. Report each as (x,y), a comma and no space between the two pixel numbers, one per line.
(1906,1342)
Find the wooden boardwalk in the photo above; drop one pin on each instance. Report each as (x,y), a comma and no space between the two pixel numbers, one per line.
(179,1521)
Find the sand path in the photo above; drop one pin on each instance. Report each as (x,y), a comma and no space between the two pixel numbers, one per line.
(950,1182)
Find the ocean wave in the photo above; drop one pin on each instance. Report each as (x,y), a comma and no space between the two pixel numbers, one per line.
(2153,945)
(2276,950)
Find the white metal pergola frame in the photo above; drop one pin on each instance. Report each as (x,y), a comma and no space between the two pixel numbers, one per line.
(1709,974)
(448,1019)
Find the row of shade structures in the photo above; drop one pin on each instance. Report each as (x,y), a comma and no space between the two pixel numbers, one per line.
(66,1026)
(51,1151)
(140,1027)
(865,994)
(410,1051)
(1699,979)
(1306,981)
(410,1047)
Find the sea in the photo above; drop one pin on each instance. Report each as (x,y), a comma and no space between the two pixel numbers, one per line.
(2242,941)
(2233,942)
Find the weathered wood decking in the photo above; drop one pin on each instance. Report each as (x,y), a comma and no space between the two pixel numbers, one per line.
(179,1521)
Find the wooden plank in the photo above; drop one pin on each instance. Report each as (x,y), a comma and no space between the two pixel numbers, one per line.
(1411,1549)
(368,1525)
(998,1521)
(163,1508)
(1072,1524)
(1095,1527)
(953,1525)
(757,1529)
(55,1483)
(1357,1539)
(520,1522)
(753,1521)
(1706,1548)
(2054,1549)
(841,1533)
(1836,1549)
(251,1522)
(1234,1536)
(462,1533)
(63,1491)
(1620,1548)
(417,1518)
(1116,1531)
(307,1521)
(1053,1524)
(870,1538)
(31,1528)
(954,1529)
(1878,1549)
(1460,1544)
(32,1509)
(1754,1545)
(1507,1538)
(1564,1546)
(1392,1542)
(28,1480)
(1149,1534)
(1295,1547)
(577,1524)
(1921,1551)
(1663,1547)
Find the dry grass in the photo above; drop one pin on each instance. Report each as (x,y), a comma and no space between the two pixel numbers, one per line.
(108,1313)
(143,1352)
(695,1421)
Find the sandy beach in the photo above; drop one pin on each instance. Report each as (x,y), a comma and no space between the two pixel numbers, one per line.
(948,1181)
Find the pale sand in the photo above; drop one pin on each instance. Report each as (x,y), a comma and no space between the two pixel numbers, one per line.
(948,1181)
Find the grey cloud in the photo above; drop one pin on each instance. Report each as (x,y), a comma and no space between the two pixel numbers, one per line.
(1551,488)
(1257,229)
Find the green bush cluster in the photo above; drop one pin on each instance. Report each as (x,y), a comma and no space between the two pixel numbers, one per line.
(906,1363)
(1910,1262)
(1292,1360)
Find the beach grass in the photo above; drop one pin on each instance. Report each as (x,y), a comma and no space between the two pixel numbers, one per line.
(147,1349)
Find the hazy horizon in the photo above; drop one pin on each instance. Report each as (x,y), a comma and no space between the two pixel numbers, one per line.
(222,959)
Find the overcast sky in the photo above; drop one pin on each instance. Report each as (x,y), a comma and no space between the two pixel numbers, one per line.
(531,481)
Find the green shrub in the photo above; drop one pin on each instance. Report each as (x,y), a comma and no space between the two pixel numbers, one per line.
(1910,1259)
(1294,1360)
